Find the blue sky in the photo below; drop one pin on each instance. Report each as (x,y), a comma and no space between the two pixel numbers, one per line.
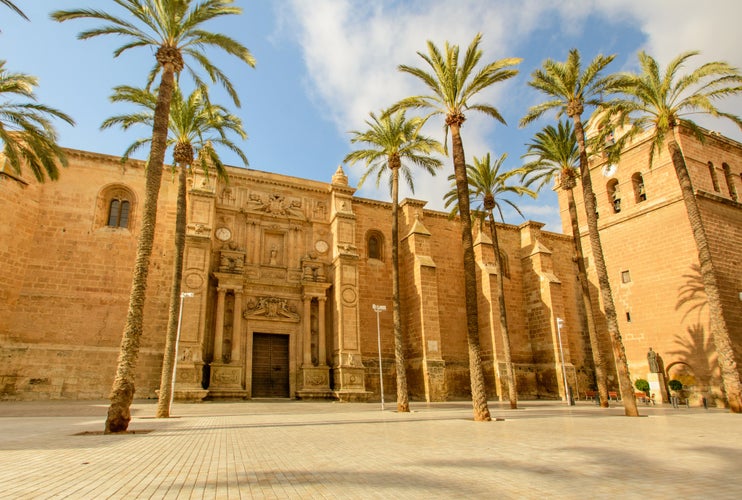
(323,65)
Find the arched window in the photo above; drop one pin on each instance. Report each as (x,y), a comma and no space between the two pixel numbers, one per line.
(115,207)
(118,213)
(714,178)
(375,245)
(504,265)
(640,193)
(614,195)
(730,181)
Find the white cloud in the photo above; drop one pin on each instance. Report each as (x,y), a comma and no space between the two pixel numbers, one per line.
(352,48)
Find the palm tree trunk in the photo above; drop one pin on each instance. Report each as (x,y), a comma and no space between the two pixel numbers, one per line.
(166,379)
(122,393)
(717,322)
(598,359)
(609,308)
(476,374)
(512,388)
(403,402)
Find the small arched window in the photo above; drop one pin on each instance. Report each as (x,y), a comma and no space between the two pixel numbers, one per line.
(118,213)
(730,181)
(115,207)
(640,193)
(375,245)
(714,178)
(614,195)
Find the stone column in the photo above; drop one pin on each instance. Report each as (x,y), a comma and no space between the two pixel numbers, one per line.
(322,333)
(307,351)
(219,328)
(237,327)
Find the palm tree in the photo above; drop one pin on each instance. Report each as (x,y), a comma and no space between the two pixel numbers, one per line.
(487,183)
(195,124)
(556,157)
(392,141)
(661,101)
(26,129)
(453,85)
(174,29)
(570,89)
(12,6)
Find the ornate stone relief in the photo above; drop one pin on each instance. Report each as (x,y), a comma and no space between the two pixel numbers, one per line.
(275,204)
(274,308)
(231,261)
(313,269)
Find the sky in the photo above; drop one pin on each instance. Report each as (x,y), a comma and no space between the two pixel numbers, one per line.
(323,65)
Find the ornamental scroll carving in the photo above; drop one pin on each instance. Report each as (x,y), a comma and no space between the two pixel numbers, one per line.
(273,308)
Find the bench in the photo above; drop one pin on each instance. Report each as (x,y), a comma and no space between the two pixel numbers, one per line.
(642,396)
(594,394)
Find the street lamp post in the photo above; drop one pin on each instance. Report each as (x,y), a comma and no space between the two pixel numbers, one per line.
(177,340)
(567,395)
(378,309)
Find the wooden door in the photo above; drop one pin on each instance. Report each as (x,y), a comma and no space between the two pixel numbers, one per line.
(270,366)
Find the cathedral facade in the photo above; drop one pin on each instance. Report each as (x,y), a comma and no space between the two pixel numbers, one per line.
(281,276)
(652,258)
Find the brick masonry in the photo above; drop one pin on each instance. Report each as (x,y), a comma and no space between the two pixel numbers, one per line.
(652,258)
(302,247)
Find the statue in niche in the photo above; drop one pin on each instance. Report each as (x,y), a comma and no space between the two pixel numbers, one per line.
(273,261)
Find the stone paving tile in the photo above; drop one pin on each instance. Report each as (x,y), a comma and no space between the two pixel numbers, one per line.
(264,449)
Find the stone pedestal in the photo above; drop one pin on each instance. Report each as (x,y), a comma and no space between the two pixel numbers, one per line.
(188,382)
(315,383)
(351,383)
(657,387)
(226,382)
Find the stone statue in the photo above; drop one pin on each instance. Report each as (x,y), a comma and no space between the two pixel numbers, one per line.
(654,366)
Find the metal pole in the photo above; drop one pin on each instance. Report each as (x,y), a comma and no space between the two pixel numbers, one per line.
(560,323)
(378,310)
(175,356)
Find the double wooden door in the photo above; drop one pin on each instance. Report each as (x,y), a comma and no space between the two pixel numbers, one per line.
(270,366)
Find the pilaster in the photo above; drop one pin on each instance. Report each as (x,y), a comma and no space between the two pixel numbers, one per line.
(425,357)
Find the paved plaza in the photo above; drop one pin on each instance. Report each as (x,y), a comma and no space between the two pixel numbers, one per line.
(295,449)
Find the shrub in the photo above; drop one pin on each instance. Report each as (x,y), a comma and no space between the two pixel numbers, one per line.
(642,385)
(675,385)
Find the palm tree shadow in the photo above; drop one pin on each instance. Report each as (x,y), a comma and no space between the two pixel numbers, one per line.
(692,294)
(696,350)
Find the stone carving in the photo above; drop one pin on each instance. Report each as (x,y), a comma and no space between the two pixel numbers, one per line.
(231,262)
(313,269)
(275,204)
(271,308)
(319,379)
(198,229)
(654,366)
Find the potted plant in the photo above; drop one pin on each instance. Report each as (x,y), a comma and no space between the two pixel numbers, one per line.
(676,386)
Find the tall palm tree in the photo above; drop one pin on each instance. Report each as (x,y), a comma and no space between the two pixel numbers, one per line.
(12,6)
(555,157)
(195,124)
(173,29)
(487,186)
(392,142)
(570,88)
(453,86)
(26,129)
(660,101)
